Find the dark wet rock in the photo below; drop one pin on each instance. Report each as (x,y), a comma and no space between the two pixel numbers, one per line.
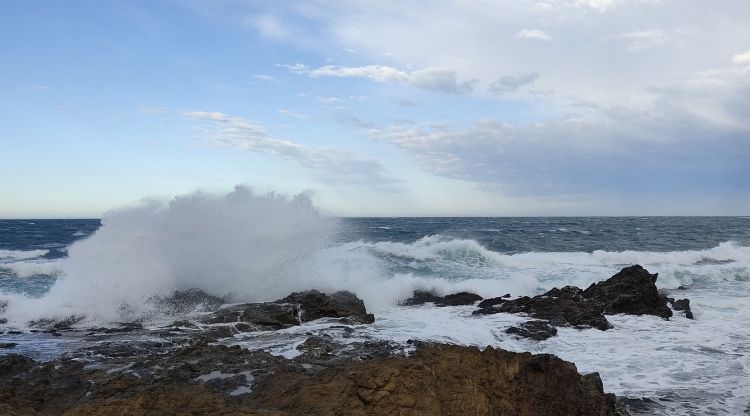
(315,305)
(317,346)
(420,297)
(631,291)
(263,315)
(490,302)
(290,311)
(14,332)
(536,330)
(13,364)
(3,321)
(683,305)
(561,307)
(7,345)
(459,299)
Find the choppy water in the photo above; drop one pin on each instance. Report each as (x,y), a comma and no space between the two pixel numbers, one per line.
(686,367)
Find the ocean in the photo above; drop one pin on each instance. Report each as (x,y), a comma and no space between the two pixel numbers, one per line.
(250,248)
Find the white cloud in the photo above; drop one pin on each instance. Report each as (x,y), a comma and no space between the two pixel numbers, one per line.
(533,34)
(263,77)
(270,27)
(330,165)
(741,58)
(432,79)
(700,121)
(644,40)
(292,114)
(330,101)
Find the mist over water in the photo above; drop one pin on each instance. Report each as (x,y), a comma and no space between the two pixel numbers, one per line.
(240,246)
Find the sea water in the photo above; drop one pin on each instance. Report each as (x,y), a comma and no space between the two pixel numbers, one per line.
(248,247)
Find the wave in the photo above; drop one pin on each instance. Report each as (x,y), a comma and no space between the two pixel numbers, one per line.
(463,259)
(247,247)
(21,254)
(240,246)
(29,269)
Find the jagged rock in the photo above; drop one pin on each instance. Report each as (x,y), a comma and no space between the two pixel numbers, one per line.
(7,345)
(420,297)
(683,305)
(561,307)
(441,380)
(631,291)
(490,302)
(315,305)
(13,364)
(536,330)
(292,310)
(458,299)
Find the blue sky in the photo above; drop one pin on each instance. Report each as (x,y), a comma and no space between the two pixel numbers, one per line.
(554,107)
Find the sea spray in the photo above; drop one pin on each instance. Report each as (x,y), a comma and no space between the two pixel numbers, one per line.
(240,246)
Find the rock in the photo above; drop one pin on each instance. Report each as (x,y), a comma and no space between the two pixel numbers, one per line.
(536,330)
(420,297)
(458,299)
(441,380)
(3,321)
(315,305)
(292,310)
(561,307)
(490,302)
(683,305)
(13,364)
(7,345)
(631,291)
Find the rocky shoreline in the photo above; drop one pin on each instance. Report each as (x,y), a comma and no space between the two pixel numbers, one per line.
(186,368)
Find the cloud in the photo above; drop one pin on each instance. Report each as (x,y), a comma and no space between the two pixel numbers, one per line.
(329,165)
(266,78)
(432,79)
(513,83)
(292,114)
(688,139)
(644,40)
(331,101)
(741,58)
(535,34)
(270,27)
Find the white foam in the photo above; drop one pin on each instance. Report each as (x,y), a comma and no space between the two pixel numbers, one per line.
(27,269)
(21,254)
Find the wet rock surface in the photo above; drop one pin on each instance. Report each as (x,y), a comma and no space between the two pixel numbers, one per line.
(536,330)
(631,291)
(199,378)
(420,297)
(181,369)
(290,311)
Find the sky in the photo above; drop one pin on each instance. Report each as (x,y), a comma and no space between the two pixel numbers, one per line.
(378,108)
